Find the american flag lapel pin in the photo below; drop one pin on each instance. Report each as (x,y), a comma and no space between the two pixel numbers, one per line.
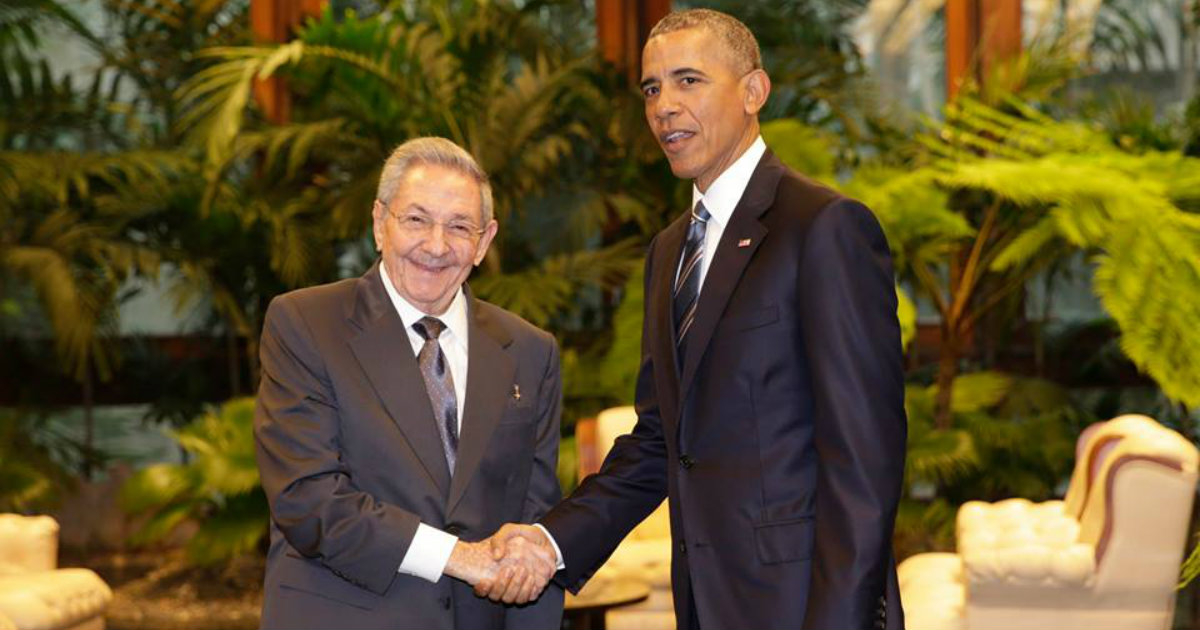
(744,243)
(516,392)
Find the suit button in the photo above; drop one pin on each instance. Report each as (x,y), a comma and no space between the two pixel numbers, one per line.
(683,547)
(445,602)
(686,461)
(453,530)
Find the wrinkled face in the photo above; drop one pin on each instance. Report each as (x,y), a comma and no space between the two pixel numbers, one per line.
(700,109)
(431,234)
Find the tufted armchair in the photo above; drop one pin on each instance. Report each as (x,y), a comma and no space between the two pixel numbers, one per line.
(1119,570)
(645,554)
(34,594)
(1016,522)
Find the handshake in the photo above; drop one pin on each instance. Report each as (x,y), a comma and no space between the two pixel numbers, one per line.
(513,566)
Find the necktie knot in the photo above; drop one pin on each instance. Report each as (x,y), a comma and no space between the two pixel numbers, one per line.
(429,327)
(700,213)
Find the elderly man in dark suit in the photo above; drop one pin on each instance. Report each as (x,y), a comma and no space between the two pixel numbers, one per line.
(399,417)
(770,397)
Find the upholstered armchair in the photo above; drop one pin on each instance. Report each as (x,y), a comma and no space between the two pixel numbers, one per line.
(645,554)
(1018,521)
(34,594)
(1119,570)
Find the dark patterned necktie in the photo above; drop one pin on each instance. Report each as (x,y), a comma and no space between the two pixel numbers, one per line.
(439,384)
(687,285)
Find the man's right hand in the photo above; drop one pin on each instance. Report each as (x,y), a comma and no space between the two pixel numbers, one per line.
(527,546)
(506,568)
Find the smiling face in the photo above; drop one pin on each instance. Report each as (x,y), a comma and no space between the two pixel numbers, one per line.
(702,111)
(427,266)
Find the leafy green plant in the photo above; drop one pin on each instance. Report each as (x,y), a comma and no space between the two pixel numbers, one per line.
(1009,436)
(31,477)
(1005,193)
(218,488)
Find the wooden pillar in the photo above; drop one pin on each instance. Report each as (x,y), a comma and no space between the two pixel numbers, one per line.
(621,30)
(980,35)
(273,21)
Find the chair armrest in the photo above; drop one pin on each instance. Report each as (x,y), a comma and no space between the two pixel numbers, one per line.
(28,543)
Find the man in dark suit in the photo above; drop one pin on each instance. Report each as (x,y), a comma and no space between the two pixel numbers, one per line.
(399,417)
(770,394)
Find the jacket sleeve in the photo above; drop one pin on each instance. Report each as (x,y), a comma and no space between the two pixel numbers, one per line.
(313,499)
(630,484)
(852,338)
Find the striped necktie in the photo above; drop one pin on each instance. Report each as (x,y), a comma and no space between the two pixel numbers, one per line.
(439,384)
(687,285)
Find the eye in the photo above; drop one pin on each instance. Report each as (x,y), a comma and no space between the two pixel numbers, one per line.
(461,230)
(414,221)
(689,80)
(649,91)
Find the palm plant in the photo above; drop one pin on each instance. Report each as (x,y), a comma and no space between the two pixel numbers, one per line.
(218,488)
(1004,194)
(60,237)
(30,476)
(364,85)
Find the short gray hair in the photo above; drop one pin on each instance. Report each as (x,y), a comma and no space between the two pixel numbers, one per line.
(432,150)
(738,39)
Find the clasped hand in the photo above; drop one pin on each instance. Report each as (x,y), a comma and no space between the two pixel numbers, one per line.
(513,566)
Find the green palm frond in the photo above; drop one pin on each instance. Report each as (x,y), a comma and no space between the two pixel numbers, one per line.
(219,487)
(542,292)
(805,149)
(940,455)
(234,530)
(1057,188)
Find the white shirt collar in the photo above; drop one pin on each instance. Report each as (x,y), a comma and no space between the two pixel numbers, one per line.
(455,317)
(726,191)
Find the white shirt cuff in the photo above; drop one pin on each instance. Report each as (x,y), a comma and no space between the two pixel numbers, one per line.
(428,553)
(553,543)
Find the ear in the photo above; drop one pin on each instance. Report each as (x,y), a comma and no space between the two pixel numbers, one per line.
(378,223)
(485,241)
(756,87)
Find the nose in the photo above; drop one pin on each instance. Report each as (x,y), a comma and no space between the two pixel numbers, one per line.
(435,243)
(664,106)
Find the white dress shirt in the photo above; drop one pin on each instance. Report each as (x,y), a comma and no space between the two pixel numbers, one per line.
(720,200)
(430,549)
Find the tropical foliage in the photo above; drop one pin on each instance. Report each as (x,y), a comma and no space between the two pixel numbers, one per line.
(1004,194)
(217,489)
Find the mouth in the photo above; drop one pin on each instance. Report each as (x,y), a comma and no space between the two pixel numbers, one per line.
(429,269)
(674,140)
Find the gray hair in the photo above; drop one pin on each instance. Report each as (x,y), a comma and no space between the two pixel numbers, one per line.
(738,40)
(432,150)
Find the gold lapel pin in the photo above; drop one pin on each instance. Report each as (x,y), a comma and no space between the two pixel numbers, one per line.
(516,392)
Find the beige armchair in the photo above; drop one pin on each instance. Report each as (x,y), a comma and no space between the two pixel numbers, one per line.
(34,594)
(645,554)
(1119,570)
(1017,522)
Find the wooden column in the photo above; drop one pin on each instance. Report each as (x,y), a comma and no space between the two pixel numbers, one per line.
(621,30)
(274,21)
(980,35)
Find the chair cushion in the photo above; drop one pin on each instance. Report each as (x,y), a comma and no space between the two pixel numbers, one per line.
(48,600)
(932,591)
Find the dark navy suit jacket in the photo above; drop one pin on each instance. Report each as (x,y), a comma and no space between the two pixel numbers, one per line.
(780,441)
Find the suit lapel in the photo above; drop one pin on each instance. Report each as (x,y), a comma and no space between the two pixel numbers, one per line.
(490,371)
(672,249)
(386,356)
(667,250)
(729,260)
